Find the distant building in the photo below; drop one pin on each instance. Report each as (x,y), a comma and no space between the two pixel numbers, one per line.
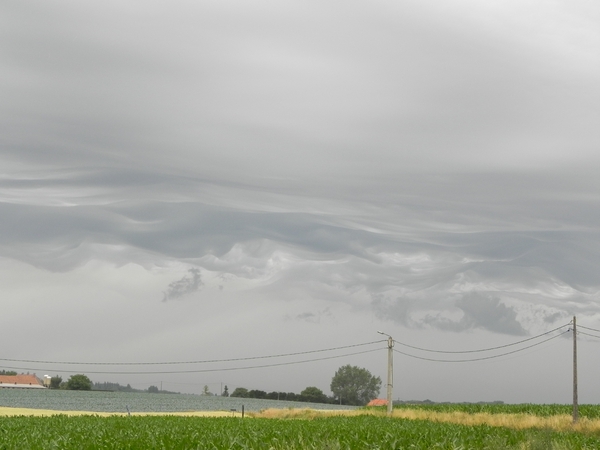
(378,402)
(20,382)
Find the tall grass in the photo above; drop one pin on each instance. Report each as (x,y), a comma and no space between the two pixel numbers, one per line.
(461,416)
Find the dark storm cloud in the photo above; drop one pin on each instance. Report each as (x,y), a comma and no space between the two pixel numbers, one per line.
(480,311)
(403,262)
(186,285)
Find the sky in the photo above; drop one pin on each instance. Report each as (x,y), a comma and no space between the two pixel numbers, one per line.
(219,180)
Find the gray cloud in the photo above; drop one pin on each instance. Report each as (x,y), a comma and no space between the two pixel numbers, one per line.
(480,311)
(430,168)
(183,287)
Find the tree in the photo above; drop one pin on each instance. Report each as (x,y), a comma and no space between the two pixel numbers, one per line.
(256,393)
(79,382)
(153,390)
(55,382)
(314,395)
(225,392)
(240,392)
(205,391)
(353,385)
(274,395)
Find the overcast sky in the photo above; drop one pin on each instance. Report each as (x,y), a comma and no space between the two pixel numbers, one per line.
(227,179)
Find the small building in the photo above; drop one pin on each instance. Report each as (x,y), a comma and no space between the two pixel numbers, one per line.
(378,402)
(20,382)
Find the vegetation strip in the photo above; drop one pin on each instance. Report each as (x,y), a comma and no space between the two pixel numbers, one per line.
(336,432)
(11,412)
(515,421)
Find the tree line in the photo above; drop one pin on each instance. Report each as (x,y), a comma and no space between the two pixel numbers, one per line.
(351,385)
(311,394)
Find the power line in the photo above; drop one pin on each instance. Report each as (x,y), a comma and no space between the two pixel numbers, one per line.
(588,328)
(204,370)
(186,362)
(483,349)
(587,334)
(483,358)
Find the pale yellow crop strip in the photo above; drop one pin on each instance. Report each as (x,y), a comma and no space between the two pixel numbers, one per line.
(516,421)
(5,411)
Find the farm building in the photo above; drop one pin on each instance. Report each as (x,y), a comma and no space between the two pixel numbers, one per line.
(378,402)
(20,382)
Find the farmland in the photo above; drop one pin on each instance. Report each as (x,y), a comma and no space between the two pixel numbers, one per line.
(588,411)
(338,432)
(102,401)
(468,426)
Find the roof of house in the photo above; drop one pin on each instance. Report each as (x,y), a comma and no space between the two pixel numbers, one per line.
(20,381)
(378,402)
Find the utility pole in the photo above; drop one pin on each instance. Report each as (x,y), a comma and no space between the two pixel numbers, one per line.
(575,401)
(390,373)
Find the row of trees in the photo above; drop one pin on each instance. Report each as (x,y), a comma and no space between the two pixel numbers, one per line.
(310,394)
(351,385)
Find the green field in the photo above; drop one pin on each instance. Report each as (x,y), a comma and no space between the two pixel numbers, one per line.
(359,432)
(103,401)
(588,411)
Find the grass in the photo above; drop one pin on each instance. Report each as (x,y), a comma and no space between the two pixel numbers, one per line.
(368,431)
(295,429)
(519,421)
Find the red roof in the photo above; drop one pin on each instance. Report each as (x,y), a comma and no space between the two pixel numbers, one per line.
(20,380)
(378,402)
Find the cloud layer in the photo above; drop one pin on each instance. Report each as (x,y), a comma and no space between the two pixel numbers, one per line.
(428,169)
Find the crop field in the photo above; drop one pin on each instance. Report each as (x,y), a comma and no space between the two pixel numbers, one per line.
(102,401)
(588,411)
(357,432)
(456,426)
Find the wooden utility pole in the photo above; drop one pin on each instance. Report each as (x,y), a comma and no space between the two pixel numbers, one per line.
(390,373)
(575,401)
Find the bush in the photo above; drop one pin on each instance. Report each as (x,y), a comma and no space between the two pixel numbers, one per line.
(79,382)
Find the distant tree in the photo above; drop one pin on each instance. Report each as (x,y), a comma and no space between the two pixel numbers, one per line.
(255,393)
(313,394)
(240,392)
(55,382)
(355,385)
(153,390)
(225,392)
(205,391)
(79,382)
(273,395)
(291,397)
(8,372)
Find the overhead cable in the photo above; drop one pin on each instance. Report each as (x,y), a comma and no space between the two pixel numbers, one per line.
(483,358)
(588,328)
(587,334)
(483,349)
(187,362)
(203,370)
